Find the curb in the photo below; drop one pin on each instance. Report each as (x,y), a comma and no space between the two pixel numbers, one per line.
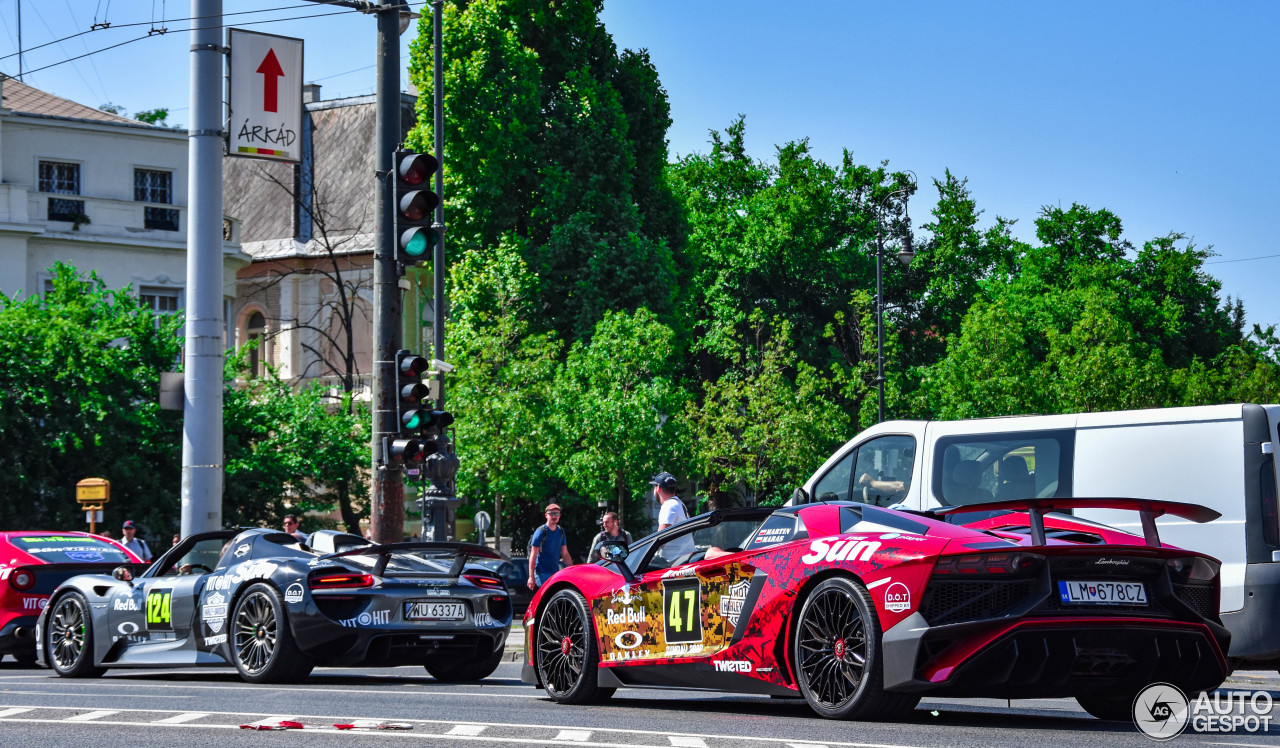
(513,651)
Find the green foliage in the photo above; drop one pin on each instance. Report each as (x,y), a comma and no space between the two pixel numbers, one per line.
(81,386)
(153,116)
(80,382)
(290,452)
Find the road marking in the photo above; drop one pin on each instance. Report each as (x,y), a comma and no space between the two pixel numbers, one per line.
(573,736)
(91,715)
(805,745)
(178,719)
(319,721)
(469,730)
(686,741)
(16,710)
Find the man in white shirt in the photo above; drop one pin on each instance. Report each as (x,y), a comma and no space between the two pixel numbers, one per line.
(135,543)
(671,513)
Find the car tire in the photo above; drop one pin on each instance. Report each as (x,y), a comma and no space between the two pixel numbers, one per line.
(1109,706)
(262,645)
(461,671)
(68,637)
(566,653)
(839,655)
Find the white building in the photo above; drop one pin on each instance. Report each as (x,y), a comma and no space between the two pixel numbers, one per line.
(97,191)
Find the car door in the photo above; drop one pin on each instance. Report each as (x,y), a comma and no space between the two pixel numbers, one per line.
(672,610)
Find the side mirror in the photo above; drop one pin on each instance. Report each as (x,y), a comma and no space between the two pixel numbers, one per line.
(122,573)
(615,552)
(799,496)
(611,550)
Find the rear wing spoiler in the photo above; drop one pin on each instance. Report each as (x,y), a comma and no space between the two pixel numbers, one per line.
(461,553)
(1147,509)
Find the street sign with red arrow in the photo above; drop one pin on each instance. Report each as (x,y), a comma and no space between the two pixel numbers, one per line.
(266,96)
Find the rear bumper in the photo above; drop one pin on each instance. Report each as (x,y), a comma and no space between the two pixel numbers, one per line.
(18,636)
(383,647)
(1051,658)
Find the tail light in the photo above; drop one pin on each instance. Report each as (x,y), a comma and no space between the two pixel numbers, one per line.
(484,580)
(988,564)
(22,579)
(323,581)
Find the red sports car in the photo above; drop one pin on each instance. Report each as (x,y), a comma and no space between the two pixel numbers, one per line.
(862,610)
(32,564)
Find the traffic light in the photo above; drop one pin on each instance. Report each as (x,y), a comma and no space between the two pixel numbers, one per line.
(415,203)
(410,393)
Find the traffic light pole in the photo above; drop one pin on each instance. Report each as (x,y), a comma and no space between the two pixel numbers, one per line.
(386,515)
(439,502)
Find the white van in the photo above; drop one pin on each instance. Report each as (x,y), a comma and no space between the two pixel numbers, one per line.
(1221,456)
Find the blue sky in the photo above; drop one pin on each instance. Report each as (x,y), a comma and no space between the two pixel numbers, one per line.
(1163,112)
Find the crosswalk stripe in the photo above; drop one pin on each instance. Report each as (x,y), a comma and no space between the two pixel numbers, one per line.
(178,719)
(11,712)
(686,741)
(87,716)
(573,736)
(471,730)
(805,745)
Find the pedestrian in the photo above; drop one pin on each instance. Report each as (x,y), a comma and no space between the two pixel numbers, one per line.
(291,527)
(134,543)
(547,549)
(176,539)
(612,532)
(106,534)
(671,513)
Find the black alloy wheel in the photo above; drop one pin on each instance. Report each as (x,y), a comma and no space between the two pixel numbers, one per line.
(567,656)
(69,638)
(261,645)
(839,660)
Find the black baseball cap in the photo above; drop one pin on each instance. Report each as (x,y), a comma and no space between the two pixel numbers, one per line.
(664,480)
(128,525)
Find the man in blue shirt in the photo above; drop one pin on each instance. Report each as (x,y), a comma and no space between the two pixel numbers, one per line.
(547,548)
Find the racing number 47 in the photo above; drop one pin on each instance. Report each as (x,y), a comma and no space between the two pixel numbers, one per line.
(682,613)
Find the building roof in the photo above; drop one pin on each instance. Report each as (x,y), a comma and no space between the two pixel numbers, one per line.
(340,163)
(19,97)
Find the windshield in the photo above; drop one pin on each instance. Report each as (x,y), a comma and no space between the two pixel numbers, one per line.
(70,549)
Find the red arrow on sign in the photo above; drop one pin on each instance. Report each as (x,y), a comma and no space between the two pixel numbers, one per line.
(271,72)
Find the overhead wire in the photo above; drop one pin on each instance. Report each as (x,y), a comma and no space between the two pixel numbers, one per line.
(167,20)
(201,28)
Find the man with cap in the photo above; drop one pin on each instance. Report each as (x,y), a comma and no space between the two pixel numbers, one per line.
(547,548)
(671,513)
(134,543)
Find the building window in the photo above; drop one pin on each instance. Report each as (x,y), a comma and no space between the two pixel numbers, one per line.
(159,300)
(255,328)
(155,186)
(61,178)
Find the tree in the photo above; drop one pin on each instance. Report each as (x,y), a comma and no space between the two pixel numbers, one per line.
(581,131)
(80,387)
(339,257)
(615,398)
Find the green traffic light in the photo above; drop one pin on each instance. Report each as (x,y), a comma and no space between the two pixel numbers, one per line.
(417,241)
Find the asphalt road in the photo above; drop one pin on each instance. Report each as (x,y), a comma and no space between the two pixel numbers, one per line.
(130,708)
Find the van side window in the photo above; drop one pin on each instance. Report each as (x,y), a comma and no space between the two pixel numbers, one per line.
(1000,467)
(834,486)
(882,470)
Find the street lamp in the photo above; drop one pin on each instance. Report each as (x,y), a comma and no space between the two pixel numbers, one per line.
(905,256)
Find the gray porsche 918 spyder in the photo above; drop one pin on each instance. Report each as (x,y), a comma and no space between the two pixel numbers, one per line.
(275,608)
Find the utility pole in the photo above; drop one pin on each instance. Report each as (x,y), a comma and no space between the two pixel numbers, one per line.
(202,419)
(439,502)
(386,515)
